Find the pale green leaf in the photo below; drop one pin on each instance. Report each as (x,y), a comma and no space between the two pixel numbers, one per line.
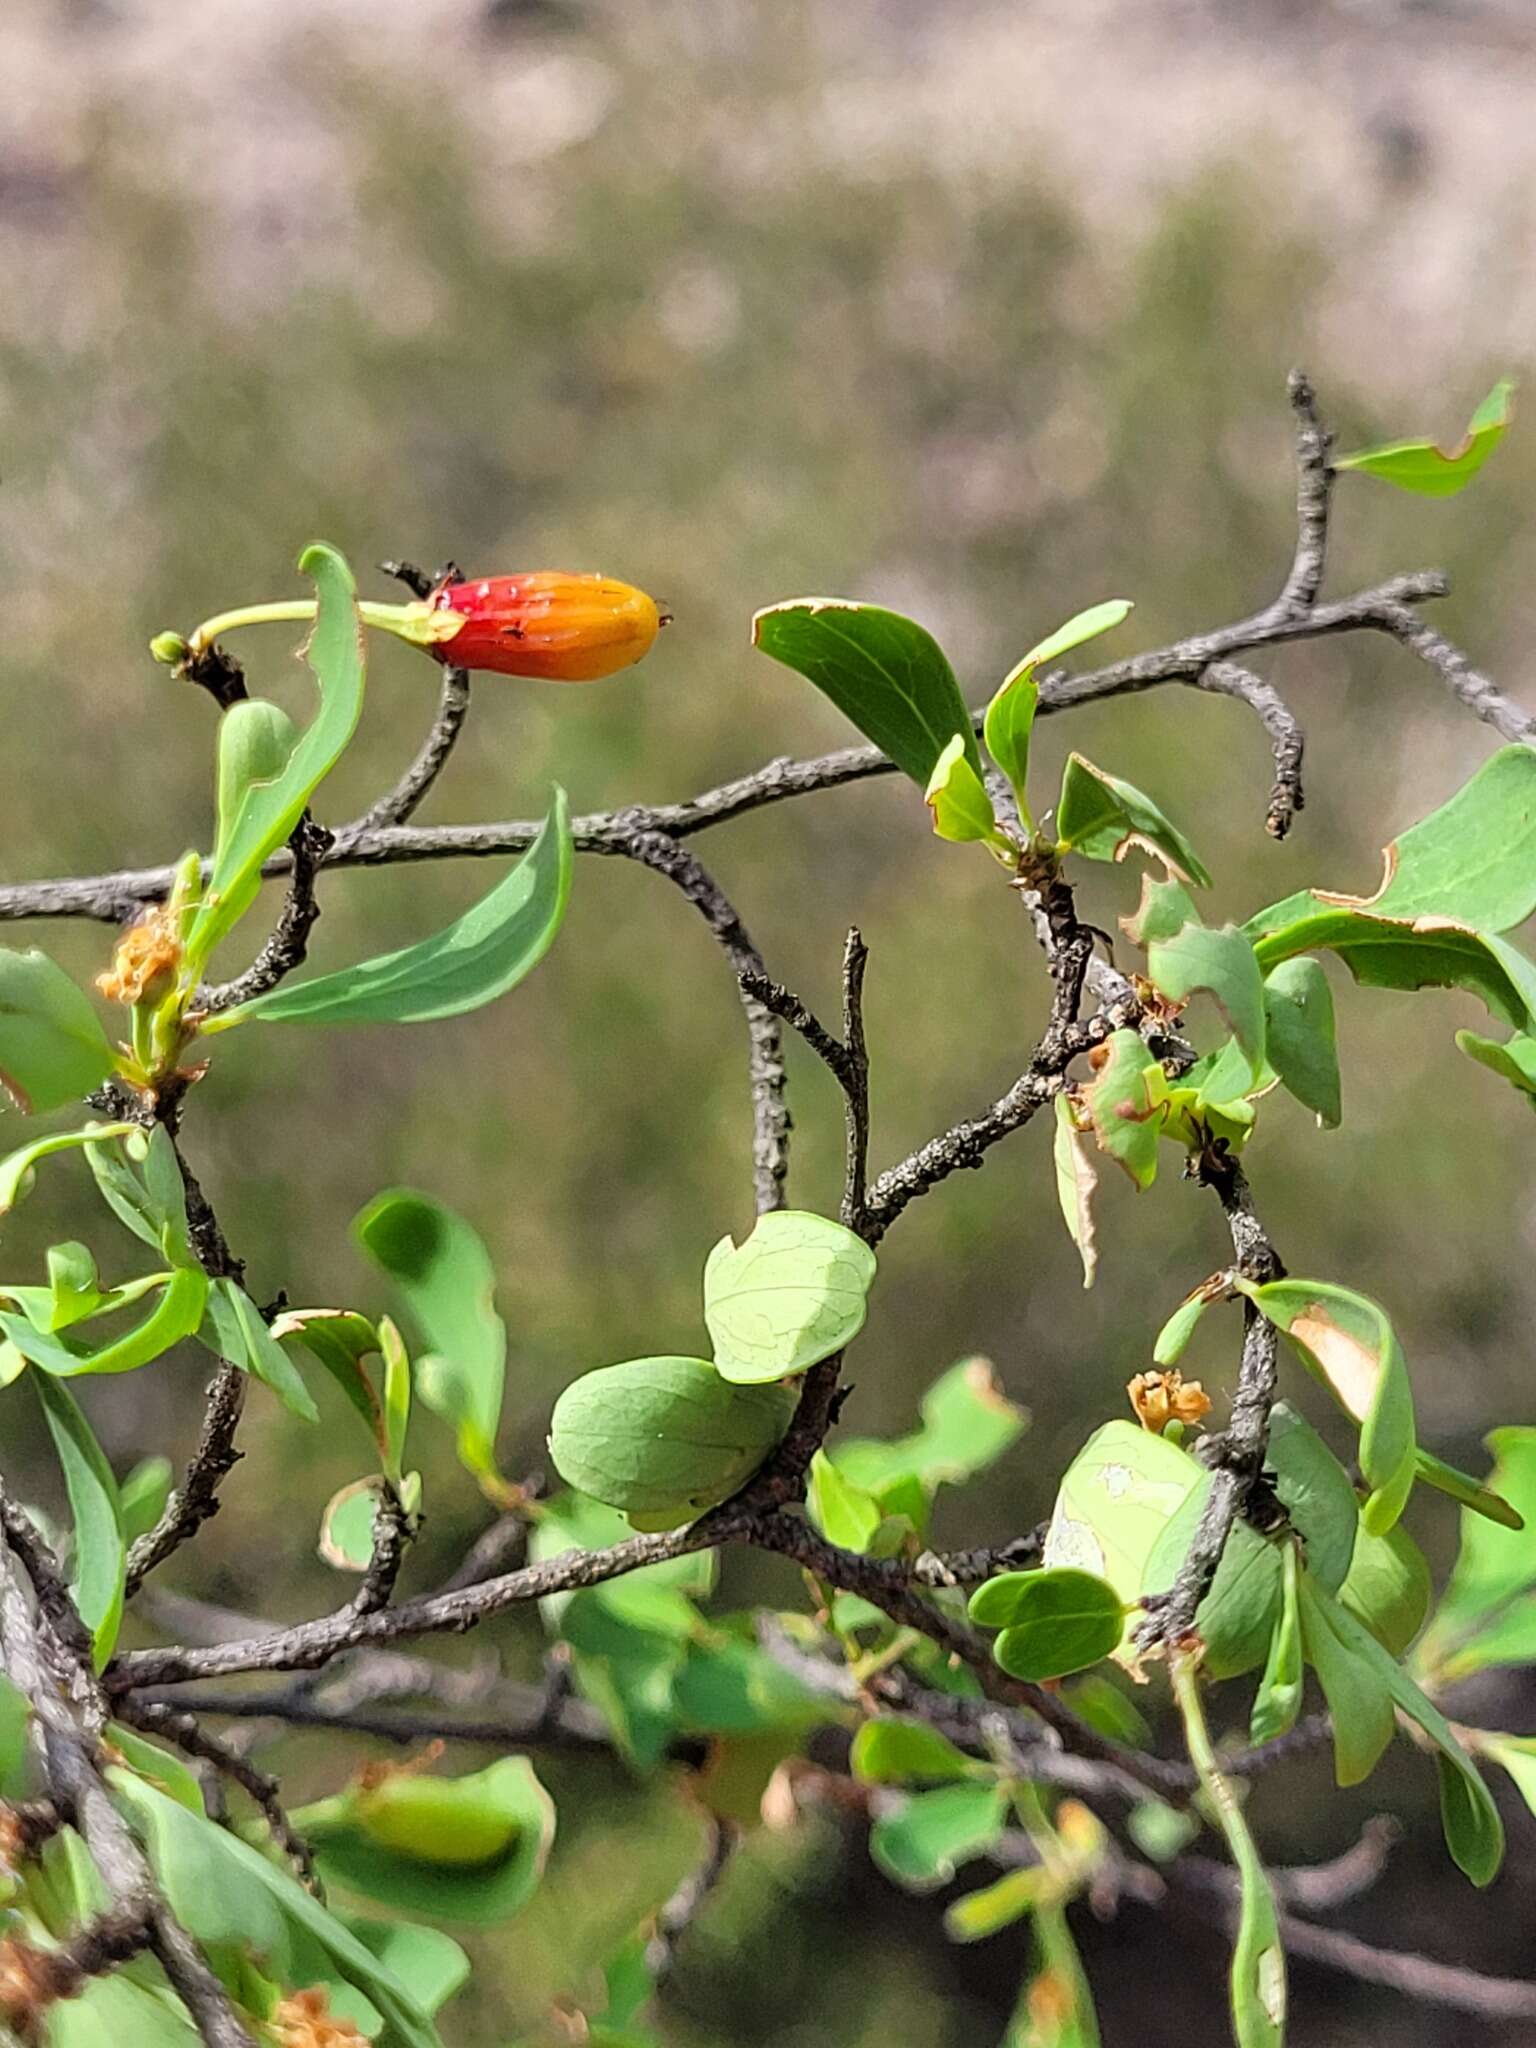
(793,1292)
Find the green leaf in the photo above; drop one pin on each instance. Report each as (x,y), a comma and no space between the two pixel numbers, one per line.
(664,1438)
(256,739)
(229,1896)
(347,1524)
(1009,726)
(1220,964)
(921,1843)
(844,1513)
(1473,1832)
(99,1550)
(1316,1492)
(1513,1061)
(1389,1587)
(1077,1179)
(1055,2009)
(175,1315)
(269,809)
(968,1422)
(1347,1341)
(468,1849)
(1358,1697)
(658,1597)
(892,1750)
(1258,1959)
(996,1906)
(1382,953)
(16,1169)
(141,1184)
(162,1767)
(445,1273)
(1300,1041)
(1517,1754)
(110,2012)
(882,671)
(1432,471)
(736,1689)
(1053,1621)
(1277,1703)
(237,1331)
(962,810)
(53,1049)
(429,1963)
(1172,1340)
(480,956)
(1102,818)
(1011,714)
(793,1292)
(397,1398)
(1125,1105)
(340,1340)
(1487,1614)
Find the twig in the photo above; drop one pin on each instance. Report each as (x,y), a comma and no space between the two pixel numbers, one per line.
(690,1899)
(410,792)
(197,1498)
(855,1085)
(288,942)
(770,1119)
(1314,482)
(1383,608)
(179,1725)
(1237,1456)
(1467,684)
(1286,798)
(1414,1976)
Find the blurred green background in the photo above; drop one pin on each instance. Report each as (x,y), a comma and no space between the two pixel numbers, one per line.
(738,302)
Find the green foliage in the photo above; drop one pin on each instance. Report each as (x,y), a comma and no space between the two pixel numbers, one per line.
(100,1544)
(480,956)
(957,797)
(890,1750)
(235,1900)
(1348,1343)
(664,1438)
(1299,1037)
(445,1274)
(1487,1613)
(1051,1622)
(793,1292)
(924,1840)
(468,1849)
(52,1046)
(1432,471)
(1258,1960)
(1220,964)
(885,673)
(258,810)
(1103,818)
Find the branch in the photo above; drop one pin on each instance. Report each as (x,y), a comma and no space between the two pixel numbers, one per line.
(288,942)
(1237,1456)
(1286,798)
(1383,608)
(411,790)
(661,853)
(1314,483)
(178,1725)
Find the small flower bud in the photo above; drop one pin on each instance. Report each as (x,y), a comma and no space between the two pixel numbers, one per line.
(169,648)
(561,627)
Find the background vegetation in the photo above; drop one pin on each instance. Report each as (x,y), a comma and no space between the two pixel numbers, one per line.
(698,346)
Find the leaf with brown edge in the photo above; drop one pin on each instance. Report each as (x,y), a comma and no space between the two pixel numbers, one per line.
(1430,470)
(1347,1341)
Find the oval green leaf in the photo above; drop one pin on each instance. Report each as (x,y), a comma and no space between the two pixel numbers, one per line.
(789,1295)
